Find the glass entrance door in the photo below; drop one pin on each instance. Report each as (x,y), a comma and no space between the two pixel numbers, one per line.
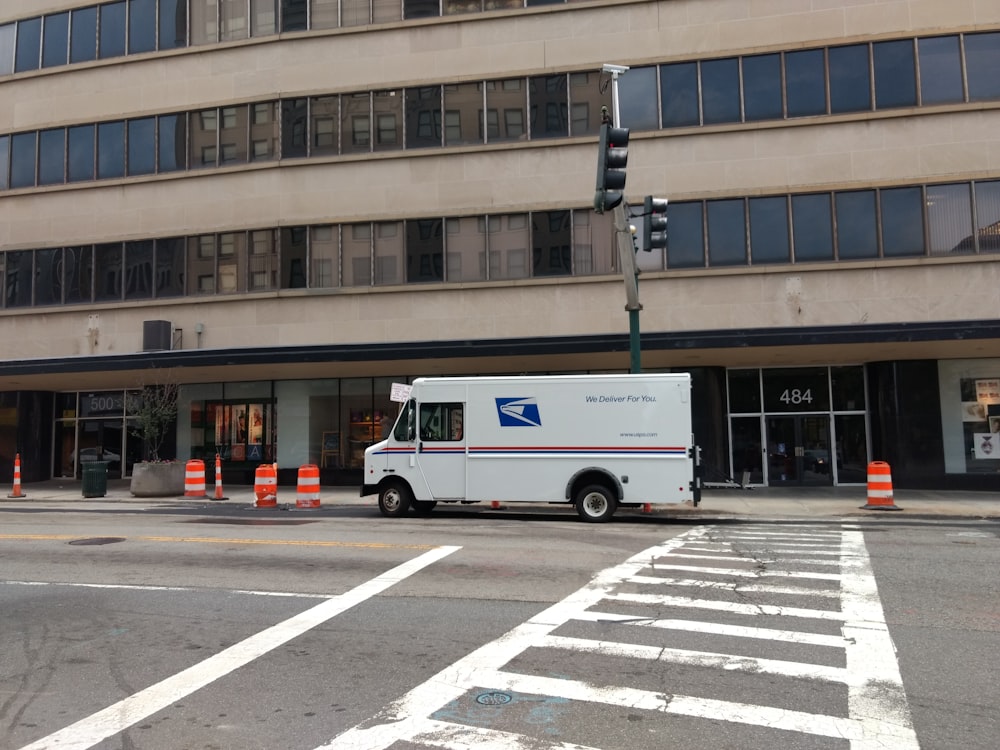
(798,450)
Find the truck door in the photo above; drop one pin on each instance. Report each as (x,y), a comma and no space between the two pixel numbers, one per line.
(441,449)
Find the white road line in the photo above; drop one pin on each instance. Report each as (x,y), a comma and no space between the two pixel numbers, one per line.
(136,587)
(754,560)
(118,717)
(744,573)
(462,737)
(734,586)
(733,607)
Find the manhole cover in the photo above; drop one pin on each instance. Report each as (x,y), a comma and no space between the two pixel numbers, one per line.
(96,540)
(493,699)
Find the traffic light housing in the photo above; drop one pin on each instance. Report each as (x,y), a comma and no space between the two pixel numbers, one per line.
(654,227)
(612,157)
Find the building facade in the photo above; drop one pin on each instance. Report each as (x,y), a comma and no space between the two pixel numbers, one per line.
(286,206)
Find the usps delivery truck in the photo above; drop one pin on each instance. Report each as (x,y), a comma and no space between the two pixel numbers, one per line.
(599,442)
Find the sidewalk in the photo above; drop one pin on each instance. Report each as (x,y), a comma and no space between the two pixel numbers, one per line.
(819,502)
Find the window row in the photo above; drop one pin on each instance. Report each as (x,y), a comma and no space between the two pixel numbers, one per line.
(460,249)
(550,106)
(129,27)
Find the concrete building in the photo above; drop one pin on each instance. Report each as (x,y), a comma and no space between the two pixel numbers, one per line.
(285,206)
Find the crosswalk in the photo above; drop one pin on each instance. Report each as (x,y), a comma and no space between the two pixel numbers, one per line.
(767,632)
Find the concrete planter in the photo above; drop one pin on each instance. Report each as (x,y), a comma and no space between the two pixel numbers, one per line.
(158,479)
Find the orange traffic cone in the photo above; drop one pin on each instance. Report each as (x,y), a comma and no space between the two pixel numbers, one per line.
(218,479)
(879,487)
(16,492)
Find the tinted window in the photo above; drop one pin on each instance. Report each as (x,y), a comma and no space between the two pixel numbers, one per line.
(48,275)
(895,77)
(4,160)
(637,99)
(423,117)
(762,87)
(18,281)
(726,233)
(940,70)
(685,248)
(849,85)
(172,144)
(22,160)
(173,24)
(7,49)
(552,240)
(293,15)
(805,83)
(51,156)
(769,230)
(83,36)
(109,272)
(982,61)
(548,100)
(744,391)
(902,222)
(139,269)
(81,153)
(141,26)
(679,94)
(812,227)
(294,118)
(169,267)
(112,30)
(55,47)
(29,42)
(988,216)
(949,218)
(720,90)
(420,8)
(78,273)
(142,146)
(856,232)
(111,149)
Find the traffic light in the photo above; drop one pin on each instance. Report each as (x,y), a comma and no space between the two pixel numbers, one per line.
(654,228)
(611,159)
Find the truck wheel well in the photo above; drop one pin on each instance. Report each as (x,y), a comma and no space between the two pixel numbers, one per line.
(593,475)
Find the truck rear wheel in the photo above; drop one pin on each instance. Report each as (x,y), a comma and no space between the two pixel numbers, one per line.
(595,503)
(394,499)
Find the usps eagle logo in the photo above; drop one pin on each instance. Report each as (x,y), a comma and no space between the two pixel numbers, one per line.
(518,412)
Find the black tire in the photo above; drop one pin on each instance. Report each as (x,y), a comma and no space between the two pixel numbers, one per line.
(423,507)
(394,499)
(595,503)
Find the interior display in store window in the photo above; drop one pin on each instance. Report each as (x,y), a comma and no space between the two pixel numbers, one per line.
(366,427)
(980,407)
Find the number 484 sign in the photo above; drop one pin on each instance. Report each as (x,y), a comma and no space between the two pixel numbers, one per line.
(805,389)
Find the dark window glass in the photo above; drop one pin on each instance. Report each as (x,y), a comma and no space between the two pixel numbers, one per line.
(769,230)
(848,388)
(850,89)
(902,221)
(949,218)
(720,90)
(294,122)
(812,227)
(22,160)
(293,257)
(141,26)
(51,156)
(111,149)
(679,94)
(4,161)
(139,269)
(293,15)
(172,143)
(762,87)
(420,9)
(940,70)
(83,35)
(982,61)
(424,250)
(81,153)
(744,391)
(895,75)
(142,146)
(112,29)
(551,242)
(170,267)
(805,83)
(55,47)
(856,229)
(988,216)
(19,278)
(7,34)
(548,103)
(78,273)
(173,24)
(423,117)
(48,276)
(637,99)
(29,43)
(109,272)
(685,243)
(727,245)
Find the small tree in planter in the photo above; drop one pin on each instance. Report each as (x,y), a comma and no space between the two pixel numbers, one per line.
(152,411)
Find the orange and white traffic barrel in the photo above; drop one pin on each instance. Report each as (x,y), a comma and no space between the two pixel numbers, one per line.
(308,487)
(16,489)
(218,479)
(194,478)
(879,487)
(265,486)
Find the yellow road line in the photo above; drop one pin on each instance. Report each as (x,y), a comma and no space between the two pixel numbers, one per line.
(216,540)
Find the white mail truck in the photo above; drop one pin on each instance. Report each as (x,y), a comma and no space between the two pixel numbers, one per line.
(599,442)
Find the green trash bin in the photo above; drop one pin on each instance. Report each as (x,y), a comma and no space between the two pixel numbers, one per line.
(95,479)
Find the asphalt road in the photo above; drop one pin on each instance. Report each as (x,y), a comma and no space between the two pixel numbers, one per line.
(232,629)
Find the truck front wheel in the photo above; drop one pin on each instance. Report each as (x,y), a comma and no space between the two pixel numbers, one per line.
(595,503)
(394,499)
